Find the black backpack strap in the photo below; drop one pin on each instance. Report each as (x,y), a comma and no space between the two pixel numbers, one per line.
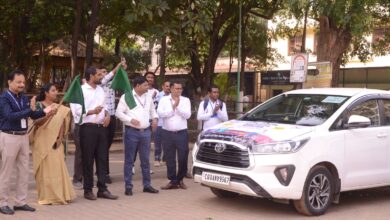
(205,103)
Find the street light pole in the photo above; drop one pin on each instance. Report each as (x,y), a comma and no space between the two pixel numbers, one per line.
(239,101)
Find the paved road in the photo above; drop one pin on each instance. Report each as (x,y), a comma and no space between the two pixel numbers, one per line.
(197,202)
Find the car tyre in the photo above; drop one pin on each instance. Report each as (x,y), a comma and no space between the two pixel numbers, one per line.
(223,193)
(318,192)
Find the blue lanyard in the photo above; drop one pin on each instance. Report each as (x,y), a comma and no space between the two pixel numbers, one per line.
(17,103)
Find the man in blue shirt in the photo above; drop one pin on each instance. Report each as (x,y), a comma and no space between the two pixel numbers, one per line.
(14,142)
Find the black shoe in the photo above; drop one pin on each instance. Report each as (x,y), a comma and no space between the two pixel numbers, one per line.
(150,189)
(6,210)
(108,179)
(89,196)
(170,186)
(128,192)
(24,208)
(182,185)
(106,195)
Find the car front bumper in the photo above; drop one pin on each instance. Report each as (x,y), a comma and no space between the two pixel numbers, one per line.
(258,180)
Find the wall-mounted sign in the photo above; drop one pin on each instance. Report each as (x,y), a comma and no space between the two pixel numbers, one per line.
(298,68)
(275,77)
(321,77)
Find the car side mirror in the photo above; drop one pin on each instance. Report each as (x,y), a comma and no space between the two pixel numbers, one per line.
(358,121)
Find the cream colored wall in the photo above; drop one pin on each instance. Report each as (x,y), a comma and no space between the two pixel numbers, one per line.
(281,45)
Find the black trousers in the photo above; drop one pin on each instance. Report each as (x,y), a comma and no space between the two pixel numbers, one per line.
(175,144)
(93,142)
(78,164)
(110,138)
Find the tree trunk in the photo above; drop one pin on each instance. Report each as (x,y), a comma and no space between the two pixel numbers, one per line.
(195,76)
(42,58)
(243,55)
(216,44)
(117,47)
(19,44)
(303,46)
(208,71)
(224,22)
(75,39)
(163,52)
(92,25)
(24,51)
(230,59)
(333,42)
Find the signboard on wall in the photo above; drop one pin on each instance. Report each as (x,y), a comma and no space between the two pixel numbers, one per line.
(275,77)
(298,68)
(321,77)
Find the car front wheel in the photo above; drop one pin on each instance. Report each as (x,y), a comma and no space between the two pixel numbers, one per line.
(317,193)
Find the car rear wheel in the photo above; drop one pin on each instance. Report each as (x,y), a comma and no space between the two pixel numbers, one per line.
(317,193)
(223,193)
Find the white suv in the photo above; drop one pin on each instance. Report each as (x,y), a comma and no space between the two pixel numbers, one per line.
(304,146)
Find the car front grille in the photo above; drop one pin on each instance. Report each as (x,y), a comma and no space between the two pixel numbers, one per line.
(232,156)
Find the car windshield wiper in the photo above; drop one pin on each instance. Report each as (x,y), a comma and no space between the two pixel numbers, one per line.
(306,124)
(268,120)
(285,121)
(256,119)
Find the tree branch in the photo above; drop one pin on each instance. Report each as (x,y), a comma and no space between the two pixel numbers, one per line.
(268,17)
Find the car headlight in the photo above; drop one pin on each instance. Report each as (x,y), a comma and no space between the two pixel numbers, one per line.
(279,147)
(195,147)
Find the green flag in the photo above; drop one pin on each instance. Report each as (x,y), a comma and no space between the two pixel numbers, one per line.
(121,82)
(75,94)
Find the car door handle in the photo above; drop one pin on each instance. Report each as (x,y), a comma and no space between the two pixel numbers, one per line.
(381,135)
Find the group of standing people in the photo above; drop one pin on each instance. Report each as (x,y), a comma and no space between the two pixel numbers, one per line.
(164,114)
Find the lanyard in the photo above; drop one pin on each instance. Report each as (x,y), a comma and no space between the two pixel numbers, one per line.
(143,104)
(212,108)
(17,103)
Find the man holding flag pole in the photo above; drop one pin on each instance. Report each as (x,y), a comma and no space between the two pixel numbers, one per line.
(136,110)
(94,119)
(110,101)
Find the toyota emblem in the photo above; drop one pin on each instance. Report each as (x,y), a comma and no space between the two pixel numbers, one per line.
(220,147)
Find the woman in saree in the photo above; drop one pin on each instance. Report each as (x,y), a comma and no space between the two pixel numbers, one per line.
(51,175)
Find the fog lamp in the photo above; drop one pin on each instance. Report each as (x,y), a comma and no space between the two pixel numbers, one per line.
(284,174)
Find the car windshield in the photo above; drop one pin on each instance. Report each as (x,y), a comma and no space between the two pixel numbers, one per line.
(299,109)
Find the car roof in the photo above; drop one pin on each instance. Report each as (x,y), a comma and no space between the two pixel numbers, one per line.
(339,91)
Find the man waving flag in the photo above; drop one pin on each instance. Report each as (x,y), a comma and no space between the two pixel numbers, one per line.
(75,95)
(121,82)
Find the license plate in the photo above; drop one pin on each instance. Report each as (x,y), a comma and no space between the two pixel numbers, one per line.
(215,178)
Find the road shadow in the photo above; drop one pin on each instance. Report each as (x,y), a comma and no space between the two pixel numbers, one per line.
(353,205)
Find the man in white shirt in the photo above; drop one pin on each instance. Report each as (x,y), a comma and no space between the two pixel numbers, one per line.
(150,77)
(93,134)
(212,111)
(175,110)
(110,101)
(158,134)
(138,122)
